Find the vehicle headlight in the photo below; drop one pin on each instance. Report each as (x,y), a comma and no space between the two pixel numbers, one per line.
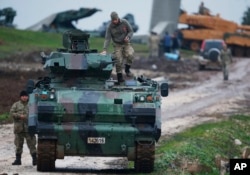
(142,98)
(52,96)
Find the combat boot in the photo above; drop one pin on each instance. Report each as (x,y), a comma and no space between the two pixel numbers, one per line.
(34,159)
(127,71)
(119,79)
(18,160)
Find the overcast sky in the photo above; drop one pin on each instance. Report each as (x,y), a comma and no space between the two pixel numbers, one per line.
(30,12)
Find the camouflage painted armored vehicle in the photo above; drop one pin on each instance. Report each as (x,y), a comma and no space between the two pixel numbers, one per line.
(77,110)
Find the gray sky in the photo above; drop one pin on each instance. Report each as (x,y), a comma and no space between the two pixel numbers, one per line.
(30,12)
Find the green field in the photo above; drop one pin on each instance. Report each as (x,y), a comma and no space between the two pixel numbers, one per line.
(14,41)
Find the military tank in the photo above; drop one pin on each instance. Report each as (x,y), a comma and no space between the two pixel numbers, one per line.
(77,109)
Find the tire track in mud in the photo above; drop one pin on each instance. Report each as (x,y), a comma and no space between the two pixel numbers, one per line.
(197,104)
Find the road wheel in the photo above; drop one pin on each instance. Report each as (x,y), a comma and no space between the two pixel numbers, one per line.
(239,51)
(46,155)
(195,45)
(201,67)
(248,52)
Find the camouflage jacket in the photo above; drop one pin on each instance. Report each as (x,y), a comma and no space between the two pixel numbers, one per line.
(154,41)
(226,56)
(117,32)
(17,109)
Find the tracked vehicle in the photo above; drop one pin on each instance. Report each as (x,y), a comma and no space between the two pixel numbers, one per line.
(202,27)
(78,110)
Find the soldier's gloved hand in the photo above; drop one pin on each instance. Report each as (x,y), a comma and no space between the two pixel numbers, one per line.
(104,52)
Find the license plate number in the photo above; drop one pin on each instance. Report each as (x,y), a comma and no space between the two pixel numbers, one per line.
(96,140)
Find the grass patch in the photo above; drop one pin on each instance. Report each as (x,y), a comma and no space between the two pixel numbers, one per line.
(201,144)
(4,118)
(13,41)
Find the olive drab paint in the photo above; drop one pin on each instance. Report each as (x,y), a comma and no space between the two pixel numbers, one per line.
(78,110)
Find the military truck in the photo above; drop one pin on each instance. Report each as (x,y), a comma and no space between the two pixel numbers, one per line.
(201,27)
(77,109)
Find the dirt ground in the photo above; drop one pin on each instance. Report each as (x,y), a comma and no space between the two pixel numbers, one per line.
(194,97)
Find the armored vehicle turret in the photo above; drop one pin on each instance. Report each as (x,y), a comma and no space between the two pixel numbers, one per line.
(78,110)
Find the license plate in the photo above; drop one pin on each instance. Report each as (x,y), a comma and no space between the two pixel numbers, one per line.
(96,140)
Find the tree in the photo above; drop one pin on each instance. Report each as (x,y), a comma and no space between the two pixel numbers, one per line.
(246,17)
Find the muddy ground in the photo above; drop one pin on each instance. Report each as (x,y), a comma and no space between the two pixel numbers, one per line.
(194,97)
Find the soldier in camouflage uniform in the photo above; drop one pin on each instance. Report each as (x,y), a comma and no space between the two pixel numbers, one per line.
(154,41)
(120,31)
(226,59)
(19,113)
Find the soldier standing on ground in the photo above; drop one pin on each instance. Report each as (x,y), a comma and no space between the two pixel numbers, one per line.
(19,113)
(154,41)
(167,42)
(121,32)
(226,59)
(175,44)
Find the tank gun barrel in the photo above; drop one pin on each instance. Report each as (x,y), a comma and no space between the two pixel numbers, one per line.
(244,27)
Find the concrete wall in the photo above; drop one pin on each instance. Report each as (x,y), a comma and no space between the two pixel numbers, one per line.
(165,11)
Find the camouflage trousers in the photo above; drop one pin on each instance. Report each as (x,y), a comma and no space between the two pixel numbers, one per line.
(225,70)
(154,52)
(30,139)
(123,52)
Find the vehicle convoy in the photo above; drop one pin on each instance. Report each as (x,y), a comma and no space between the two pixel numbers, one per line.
(201,27)
(78,110)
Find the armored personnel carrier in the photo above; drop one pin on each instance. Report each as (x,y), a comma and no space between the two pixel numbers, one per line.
(78,110)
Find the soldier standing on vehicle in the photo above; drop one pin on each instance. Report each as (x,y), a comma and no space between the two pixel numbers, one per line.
(203,10)
(121,32)
(226,59)
(19,113)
